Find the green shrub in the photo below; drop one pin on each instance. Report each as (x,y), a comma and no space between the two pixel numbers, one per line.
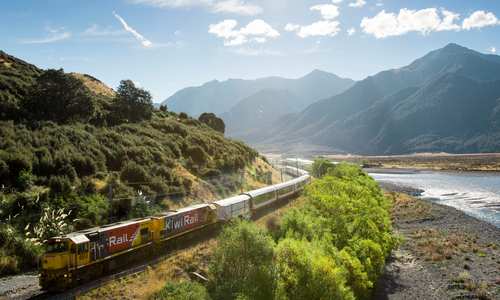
(305,271)
(25,180)
(320,167)
(243,264)
(182,291)
(133,173)
(60,185)
(347,216)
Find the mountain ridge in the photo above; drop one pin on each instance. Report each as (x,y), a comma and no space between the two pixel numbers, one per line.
(390,109)
(220,96)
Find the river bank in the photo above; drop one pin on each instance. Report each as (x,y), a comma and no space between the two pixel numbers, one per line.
(445,254)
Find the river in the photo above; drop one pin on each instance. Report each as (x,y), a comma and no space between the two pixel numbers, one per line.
(475,193)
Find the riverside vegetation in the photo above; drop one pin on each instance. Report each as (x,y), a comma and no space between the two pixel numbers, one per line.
(331,246)
(75,154)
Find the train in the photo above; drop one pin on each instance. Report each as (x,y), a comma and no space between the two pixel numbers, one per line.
(81,256)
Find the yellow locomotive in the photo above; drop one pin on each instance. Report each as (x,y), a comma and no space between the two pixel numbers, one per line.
(83,255)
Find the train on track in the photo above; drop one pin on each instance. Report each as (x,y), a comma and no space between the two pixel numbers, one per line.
(78,257)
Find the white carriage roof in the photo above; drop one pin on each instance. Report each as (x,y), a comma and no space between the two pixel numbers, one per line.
(232,200)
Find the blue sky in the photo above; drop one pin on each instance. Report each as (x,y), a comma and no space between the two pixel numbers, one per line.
(166,45)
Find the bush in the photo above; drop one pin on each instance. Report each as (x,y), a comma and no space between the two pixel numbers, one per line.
(242,264)
(320,167)
(182,291)
(59,97)
(60,185)
(90,211)
(134,174)
(213,122)
(25,180)
(306,272)
(132,104)
(347,217)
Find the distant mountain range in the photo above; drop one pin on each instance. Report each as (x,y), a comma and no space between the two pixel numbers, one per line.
(448,100)
(220,96)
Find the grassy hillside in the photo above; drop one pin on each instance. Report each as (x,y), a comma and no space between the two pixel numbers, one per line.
(96,156)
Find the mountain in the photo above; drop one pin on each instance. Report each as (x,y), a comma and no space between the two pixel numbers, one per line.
(447,101)
(220,96)
(259,111)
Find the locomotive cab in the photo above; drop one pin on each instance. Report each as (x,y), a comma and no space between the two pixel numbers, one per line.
(63,255)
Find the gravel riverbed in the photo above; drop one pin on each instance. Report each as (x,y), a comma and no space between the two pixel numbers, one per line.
(445,254)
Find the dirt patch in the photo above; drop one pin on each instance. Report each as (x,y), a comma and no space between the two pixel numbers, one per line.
(445,254)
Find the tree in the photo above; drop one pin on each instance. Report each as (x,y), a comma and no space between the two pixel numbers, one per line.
(132,104)
(242,265)
(305,271)
(213,122)
(321,166)
(59,97)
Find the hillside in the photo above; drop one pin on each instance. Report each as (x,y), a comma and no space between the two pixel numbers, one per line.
(445,101)
(112,156)
(220,96)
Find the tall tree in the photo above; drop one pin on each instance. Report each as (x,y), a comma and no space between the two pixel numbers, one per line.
(133,104)
(213,122)
(59,97)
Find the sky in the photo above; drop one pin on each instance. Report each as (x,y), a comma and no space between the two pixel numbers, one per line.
(167,45)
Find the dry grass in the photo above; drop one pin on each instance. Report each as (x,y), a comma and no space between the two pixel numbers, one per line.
(94,85)
(435,245)
(407,208)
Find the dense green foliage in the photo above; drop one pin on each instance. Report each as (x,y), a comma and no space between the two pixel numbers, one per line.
(59,97)
(77,156)
(243,264)
(213,122)
(320,167)
(16,76)
(182,291)
(132,104)
(332,247)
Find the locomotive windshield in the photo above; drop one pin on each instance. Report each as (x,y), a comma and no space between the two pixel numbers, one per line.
(56,247)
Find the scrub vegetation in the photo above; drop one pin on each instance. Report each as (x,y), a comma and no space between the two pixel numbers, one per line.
(75,154)
(333,245)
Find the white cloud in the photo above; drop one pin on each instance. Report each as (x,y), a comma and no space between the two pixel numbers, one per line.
(239,7)
(424,21)
(144,42)
(337,1)
(320,28)
(379,4)
(326,27)
(327,11)
(53,35)
(358,3)
(351,31)
(256,31)
(493,50)
(236,7)
(292,27)
(479,19)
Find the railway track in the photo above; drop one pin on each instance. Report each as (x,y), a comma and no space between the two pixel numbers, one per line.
(181,244)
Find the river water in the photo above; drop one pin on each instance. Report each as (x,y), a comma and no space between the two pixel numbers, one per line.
(475,193)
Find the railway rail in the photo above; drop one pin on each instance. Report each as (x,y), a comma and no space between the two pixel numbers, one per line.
(137,257)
